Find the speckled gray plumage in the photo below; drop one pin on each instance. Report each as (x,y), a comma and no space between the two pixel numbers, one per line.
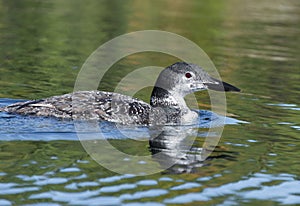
(97,105)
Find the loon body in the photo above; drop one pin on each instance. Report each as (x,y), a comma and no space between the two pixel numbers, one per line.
(167,104)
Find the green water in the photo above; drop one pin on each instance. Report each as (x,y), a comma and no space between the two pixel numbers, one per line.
(254,45)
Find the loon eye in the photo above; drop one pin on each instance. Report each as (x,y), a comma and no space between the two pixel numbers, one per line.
(188,75)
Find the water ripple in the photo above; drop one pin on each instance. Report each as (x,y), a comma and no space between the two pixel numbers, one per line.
(283,192)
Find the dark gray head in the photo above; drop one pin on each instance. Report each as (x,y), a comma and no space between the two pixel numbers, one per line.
(185,78)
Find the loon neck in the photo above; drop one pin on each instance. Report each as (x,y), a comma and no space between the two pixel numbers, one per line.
(163,98)
(172,103)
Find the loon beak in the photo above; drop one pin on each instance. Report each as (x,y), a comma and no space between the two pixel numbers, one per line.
(218,85)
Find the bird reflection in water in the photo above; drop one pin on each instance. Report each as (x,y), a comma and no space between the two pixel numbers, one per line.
(183,149)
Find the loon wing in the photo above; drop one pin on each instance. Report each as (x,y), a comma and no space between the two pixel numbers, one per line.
(98,105)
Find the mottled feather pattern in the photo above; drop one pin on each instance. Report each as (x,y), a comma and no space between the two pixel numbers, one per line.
(87,105)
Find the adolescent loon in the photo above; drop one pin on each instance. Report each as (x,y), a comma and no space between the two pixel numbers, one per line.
(167,104)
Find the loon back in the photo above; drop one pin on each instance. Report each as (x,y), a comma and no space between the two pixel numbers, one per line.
(97,105)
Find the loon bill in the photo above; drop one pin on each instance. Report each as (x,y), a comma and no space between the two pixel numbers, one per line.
(167,104)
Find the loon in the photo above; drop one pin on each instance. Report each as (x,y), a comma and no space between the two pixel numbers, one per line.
(167,104)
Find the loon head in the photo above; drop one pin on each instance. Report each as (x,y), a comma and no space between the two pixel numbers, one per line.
(174,83)
(184,78)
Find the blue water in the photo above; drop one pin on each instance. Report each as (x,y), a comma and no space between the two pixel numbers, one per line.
(17,127)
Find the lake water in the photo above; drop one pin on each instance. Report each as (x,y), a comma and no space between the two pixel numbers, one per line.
(253,44)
